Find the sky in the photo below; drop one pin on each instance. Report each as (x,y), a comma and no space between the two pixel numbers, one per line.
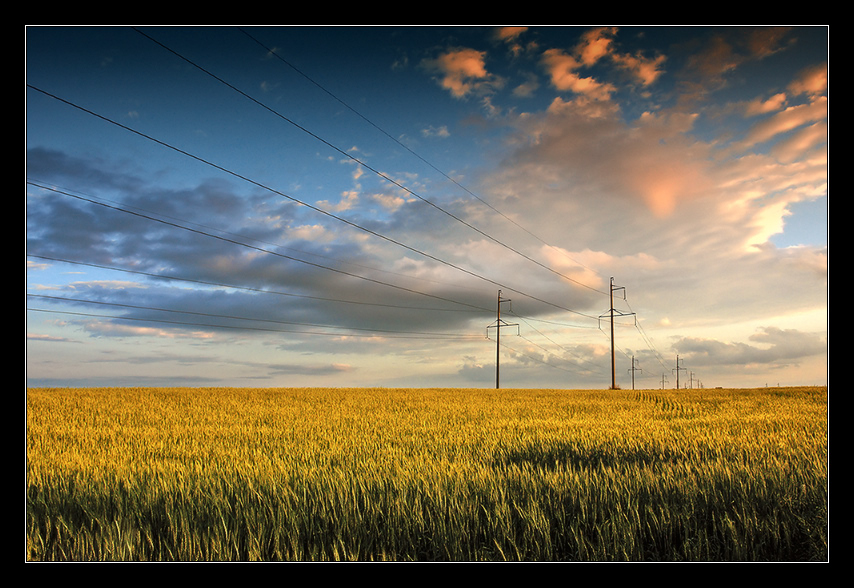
(353,206)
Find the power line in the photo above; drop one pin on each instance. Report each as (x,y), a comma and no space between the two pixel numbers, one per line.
(241,328)
(411,334)
(532,358)
(349,222)
(241,318)
(276,54)
(314,208)
(526,321)
(646,338)
(260,249)
(357,160)
(250,289)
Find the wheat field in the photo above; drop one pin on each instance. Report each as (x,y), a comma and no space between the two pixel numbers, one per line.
(240,474)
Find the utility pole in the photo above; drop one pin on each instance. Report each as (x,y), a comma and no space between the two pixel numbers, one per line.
(677,369)
(620,313)
(633,369)
(498,324)
(663,381)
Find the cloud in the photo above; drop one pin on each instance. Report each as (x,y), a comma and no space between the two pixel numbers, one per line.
(431,131)
(50,338)
(589,146)
(509,34)
(776,346)
(645,70)
(313,274)
(811,82)
(785,121)
(800,143)
(463,72)
(670,197)
(563,71)
(708,67)
(596,46)
(120,329)
(348,200)
(308,369)
(759,106)
(527,88)
(511,38)
(105,285)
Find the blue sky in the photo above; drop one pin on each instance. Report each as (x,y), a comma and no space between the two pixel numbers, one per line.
(340,206)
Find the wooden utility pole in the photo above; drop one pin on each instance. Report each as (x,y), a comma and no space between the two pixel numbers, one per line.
(613,371)
(498,324)
(619,313)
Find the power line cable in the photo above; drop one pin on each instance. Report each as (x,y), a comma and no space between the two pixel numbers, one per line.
(362,163)
(260,249)
(532,358)
(524,320)
(314,208)
(250,289)
(242,328)
(646,338)
(274,53)
(240,318)
(277,245)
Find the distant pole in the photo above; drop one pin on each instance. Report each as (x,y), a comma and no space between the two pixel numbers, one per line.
(633,372)
(677,369)
(633,369)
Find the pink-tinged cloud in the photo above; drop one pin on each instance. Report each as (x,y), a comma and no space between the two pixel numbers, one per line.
(564,76)
(800,143)
(595,45)
(598,44)
(37,337)
(511,37)
(654,161)
(645,70)
(811,82)
(760,42)
(462,71)
(787,120)
(717,58)
(509,33)
(772,104)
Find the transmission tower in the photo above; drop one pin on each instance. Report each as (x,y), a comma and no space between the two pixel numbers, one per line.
(499,323)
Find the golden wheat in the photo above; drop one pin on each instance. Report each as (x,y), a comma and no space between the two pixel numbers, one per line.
(160,474)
